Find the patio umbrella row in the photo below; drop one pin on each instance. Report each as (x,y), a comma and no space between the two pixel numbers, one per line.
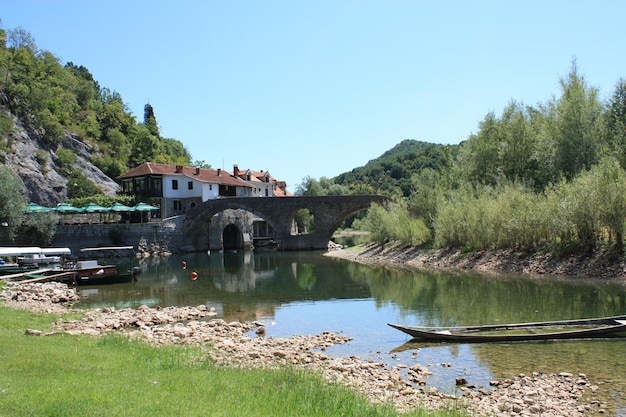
(66,208)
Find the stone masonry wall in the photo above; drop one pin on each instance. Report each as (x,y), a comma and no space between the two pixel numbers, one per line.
(168,232)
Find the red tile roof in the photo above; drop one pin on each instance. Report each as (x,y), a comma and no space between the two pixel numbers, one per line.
(215,176)
(281,189)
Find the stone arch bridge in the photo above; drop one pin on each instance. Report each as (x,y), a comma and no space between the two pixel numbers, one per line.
(328,214)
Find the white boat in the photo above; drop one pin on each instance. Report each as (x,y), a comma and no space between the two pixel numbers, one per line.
(33,255)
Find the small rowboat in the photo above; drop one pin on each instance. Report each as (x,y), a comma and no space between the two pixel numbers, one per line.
(605,327)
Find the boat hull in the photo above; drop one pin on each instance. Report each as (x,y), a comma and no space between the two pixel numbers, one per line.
(608,327)
(103,280)
(100,275)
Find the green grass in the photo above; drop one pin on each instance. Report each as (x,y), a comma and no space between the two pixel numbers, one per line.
(63,375)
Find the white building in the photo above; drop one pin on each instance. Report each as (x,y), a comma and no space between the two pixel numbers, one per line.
(176,188)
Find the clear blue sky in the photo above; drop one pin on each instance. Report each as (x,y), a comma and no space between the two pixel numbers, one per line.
(316,88)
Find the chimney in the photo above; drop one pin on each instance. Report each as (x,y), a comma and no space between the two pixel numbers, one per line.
(219,172)
(179,169)
(197,170)
(235,170)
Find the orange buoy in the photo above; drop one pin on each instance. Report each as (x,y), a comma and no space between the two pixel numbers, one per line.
(194,276)
(184,265)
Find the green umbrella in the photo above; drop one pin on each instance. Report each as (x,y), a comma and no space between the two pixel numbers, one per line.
(66,208)
(145,207)
(120,208)
(36,208)
(94,208)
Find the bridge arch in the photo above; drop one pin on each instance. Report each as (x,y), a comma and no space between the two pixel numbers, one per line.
(232,237)
(328,212)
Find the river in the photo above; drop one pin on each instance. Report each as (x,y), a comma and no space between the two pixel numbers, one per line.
(307,293)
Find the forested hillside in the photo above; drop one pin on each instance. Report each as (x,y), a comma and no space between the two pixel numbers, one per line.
(64,137)
(392,172)
(47,103)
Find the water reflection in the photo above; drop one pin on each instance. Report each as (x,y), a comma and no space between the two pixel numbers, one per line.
(304,292)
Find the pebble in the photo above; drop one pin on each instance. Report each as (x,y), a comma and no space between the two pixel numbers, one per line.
(401,386)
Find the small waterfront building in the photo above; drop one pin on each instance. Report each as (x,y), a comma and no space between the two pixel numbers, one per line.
(176,188)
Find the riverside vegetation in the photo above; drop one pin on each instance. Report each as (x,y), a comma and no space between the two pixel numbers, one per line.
(544,178)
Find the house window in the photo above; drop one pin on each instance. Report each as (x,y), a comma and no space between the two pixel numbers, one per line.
(174,184)
(178,205)
(190,185)
(210,186)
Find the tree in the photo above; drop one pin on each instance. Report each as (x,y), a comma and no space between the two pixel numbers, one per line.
(200,163)
(3,37)
(20,38)
(478,159)
(577,134)
(38,229)
(615,120)
(304,221)
(12,203)
(504,148)
(610,184)
(144,145)
(80,186)
(150,121)
(427,191)
(309,186)
(377,223)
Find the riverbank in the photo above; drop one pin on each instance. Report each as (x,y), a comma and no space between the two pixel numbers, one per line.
(244,345)
(600,264)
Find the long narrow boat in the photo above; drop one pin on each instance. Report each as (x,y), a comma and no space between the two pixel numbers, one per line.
(605,327)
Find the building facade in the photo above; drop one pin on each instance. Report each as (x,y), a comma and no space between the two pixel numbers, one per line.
(176,188)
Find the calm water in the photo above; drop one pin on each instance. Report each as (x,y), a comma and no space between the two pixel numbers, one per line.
(306,293)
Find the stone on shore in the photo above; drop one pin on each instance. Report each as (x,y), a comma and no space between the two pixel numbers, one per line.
(239,345)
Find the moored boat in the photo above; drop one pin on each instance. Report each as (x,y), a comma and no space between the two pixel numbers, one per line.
(32,256)
(605,327)
(9,270)
(92,273)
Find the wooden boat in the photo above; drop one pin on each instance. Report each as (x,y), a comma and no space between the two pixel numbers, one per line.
(605,327)
(92,273)
(45,275)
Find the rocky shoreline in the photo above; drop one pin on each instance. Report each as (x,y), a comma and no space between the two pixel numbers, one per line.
(599,264)
(244,345)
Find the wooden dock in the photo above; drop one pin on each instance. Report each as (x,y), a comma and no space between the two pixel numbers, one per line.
(33,277)
(39,275)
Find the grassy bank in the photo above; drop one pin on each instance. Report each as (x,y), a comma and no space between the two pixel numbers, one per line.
(63,375)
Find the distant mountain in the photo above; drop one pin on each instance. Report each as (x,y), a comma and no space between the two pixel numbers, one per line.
(391,172)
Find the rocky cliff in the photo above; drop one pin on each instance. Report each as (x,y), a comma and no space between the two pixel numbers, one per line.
(38,165)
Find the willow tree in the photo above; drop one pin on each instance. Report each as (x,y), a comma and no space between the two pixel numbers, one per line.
(615,121)
(577,125)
